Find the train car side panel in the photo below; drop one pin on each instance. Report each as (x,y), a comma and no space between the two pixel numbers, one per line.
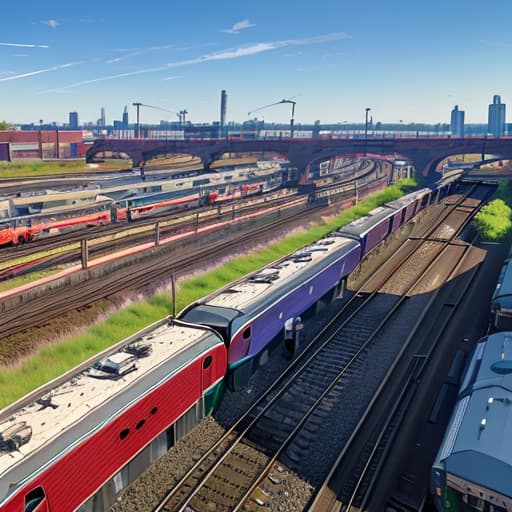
(267,325)
(73,476)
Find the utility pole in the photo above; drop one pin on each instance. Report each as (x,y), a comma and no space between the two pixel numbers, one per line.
(137,126)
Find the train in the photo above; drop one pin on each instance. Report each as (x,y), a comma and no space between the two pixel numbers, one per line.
(472,471)
(473,468)
(501,302)
(78,441)
(53,212)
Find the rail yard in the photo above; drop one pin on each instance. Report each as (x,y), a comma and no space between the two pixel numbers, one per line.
(308,368)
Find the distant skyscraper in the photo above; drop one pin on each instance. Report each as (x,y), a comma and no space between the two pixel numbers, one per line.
(457,122)
(223,111)
(102,121)
(125,118)
(73,120)
(496,125)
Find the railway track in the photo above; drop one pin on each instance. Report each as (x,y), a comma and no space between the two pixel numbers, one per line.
(359,466)
(168,221)
(156,269)
(241,471)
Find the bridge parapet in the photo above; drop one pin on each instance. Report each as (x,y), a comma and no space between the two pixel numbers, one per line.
(425,153)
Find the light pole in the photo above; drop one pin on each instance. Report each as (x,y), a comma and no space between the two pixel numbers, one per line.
(367,109)
(137,126)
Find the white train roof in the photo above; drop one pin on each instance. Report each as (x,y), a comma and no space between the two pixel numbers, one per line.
(477,445)
(263,285)
(80,392)
(362,225)
(408,198)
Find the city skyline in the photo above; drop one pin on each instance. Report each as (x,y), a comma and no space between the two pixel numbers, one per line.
(407,62)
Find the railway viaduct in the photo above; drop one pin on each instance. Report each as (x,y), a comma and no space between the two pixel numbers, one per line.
(425,153)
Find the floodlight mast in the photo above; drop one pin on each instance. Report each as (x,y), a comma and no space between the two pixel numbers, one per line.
(293,103)
(181,115)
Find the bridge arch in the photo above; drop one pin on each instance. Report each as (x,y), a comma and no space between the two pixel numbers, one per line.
(423,152)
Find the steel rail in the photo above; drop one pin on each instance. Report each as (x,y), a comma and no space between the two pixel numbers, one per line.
(286,375)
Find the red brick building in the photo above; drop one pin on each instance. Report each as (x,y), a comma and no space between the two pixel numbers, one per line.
(42,144)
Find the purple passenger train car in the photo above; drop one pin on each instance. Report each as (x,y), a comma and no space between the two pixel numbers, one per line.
(251,313)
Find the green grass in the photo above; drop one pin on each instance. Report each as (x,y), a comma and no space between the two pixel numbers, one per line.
(31,168)
(15,282)
(494,220)
(54,360)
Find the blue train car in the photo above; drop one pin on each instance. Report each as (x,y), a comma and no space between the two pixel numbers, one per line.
(252,313)
(473,469)
(501,302)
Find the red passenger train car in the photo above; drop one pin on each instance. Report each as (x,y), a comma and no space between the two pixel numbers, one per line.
(76,444)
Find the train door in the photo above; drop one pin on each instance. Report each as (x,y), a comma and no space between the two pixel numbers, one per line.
(35,501)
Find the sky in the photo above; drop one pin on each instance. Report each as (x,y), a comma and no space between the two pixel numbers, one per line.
(406,60)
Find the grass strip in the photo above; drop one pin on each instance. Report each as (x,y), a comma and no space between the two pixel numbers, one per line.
(31,168)
(494,220)
(15,282)
(52,361)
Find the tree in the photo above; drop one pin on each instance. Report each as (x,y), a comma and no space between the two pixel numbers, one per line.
(4,125)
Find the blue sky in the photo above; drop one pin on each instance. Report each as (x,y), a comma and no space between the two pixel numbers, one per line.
(407,60)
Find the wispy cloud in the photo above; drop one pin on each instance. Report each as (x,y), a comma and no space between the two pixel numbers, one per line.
(127,54)
(38,72)
(123,57)
(238,26)
(172,78)
(51,23)
(24,45)
(21,55)
(228,54)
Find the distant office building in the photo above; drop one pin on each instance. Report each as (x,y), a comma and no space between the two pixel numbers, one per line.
(125,118)
(496,124)
(102,122)
(73,120)
(457,122)
(223,112)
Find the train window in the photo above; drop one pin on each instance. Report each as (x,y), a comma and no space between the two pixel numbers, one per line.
(247,333)
(124,433)
(154,410)
(311,290)
(207,362)
(140,424)
(33,499)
